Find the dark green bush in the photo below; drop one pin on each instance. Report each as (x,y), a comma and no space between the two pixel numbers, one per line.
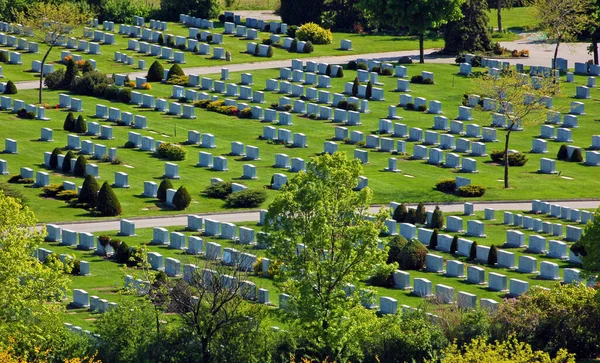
(576,156)
(433,240)
(471,191)
(563,153)
(91,84)
(355,86)
(387,72)
(175,71)
(369,91)
(473,251)
(437,220)
(400,213)
(514,159)
(382,276)
(422,108)
(395,247)
(161,193)
(17,179)
(246,113)
(111,93)
(52,190)
(156,71)
(122,253)
(53,162)
(352,65)
(249,198)
(454,245)
(291,31)
(22,113)
(293,45)
(125,95)
(340,73)
(54,80)
(446,185)
(89,191)
(66,165)
(170,151)
(79,169)
(418,79)
(80,125)
(107,203)
(362,66)
(71,73)
(343,104)
(352,106)
(492,256)
(308,47)
(218,190)
(181,199)
(269,51)
(412,256)
(3,57)
(427,81)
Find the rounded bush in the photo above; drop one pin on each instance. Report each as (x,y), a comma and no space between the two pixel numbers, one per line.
(412,256)
(471,191)
(395,248)
(340,73)
(156,71)
(293,45)
(107,203)
(314,33)
(125,95)
(446,185)
(245,113)
(418,79)
(171,151)
(361,66)
(405,60)
(352,65)
(54,80)
(308,47)
(175,71)
(161,193)
(352,107)
(91,84)
(387,72)
(111,93)
(343,104)
(219,190)
(122,253)
(182,199)
(249,198)
(291,31)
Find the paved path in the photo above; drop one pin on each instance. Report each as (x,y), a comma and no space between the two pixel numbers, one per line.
(251,216)
(540,54)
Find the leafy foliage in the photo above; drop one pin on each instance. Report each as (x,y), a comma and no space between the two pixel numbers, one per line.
(314,33)
(89,191)
(249,198)
(155,72)
(469,33)
(181,199)
(161,193)
(218,190)
(79,169)
(412,256)
(171,151)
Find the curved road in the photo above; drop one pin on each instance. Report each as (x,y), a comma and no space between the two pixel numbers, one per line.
(540,54)
(252,216)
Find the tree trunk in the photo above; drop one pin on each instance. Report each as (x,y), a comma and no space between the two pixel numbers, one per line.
(556,53)
(421,48)
(506,185)
(500,16)
(42,72)
(595,49)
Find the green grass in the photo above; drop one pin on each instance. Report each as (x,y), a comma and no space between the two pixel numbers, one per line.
(514,19)
(361,43)
(415,183)
(107,277)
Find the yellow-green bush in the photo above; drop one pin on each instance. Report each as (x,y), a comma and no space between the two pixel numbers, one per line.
(314,33)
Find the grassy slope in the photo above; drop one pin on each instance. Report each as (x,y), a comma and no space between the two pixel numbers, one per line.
(514,19)
(416,183)
(107,276)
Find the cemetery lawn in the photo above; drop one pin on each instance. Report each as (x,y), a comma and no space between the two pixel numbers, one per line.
(361,44)
(415,183)
(516,19)
(107,277)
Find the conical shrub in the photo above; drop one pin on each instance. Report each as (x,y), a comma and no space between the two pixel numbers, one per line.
(369,91)
(181,199)
(454,245)
(473,251)
(161,193)
(107,203)
(66,165)
(492,256)
(53,163)
(576,156)
(421,214)
(79,169)
(355,87)
(10,88)
(433,240)
(69,123)
(562,154)
(156,72)
(80,125)
(89,191)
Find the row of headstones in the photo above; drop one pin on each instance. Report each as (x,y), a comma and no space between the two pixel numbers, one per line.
(306,78)
(211,279)
(539,146)
(196,22)
(8,104)
(42,253)
(81,299)
(557,211)
(573,234)
(497,281)
(82,46)
(166,52)
(21,44)
(76,58)
(454,224)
